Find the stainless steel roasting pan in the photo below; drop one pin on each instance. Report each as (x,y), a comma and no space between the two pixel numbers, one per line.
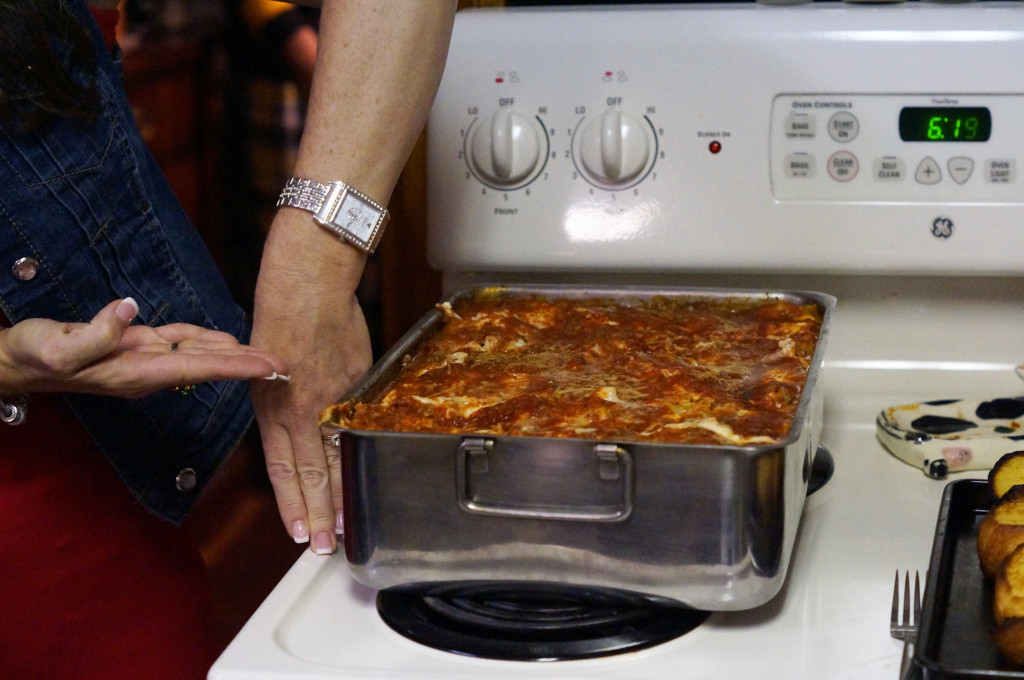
(711,527)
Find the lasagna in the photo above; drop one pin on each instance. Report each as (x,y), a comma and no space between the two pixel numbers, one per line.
(693,370)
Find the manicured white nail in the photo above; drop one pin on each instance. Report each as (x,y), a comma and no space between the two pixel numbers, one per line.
(282,376)
(322,544)
(127,309)
(339,523)
(300,534)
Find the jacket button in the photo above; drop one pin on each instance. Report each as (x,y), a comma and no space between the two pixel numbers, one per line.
(25,268)
(186,480)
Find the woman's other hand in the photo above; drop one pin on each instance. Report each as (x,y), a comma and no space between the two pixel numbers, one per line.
(111,357)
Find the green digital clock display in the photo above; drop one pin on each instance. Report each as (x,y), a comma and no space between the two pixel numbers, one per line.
(945,124)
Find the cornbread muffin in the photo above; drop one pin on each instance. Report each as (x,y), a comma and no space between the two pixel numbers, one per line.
(1008,607)
(1006,473)
(1001,530)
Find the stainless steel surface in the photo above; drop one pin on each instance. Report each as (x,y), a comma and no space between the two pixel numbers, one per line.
(709,526)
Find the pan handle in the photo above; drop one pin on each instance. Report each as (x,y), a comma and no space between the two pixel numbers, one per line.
(554,479)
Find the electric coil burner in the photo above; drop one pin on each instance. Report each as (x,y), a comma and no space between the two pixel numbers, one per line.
(518,621)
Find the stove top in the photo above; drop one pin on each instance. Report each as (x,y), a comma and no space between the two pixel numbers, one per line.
(877,515)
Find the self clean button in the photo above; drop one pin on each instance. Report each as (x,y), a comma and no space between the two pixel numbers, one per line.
(889,169)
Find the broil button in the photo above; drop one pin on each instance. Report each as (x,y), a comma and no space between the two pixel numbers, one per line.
(25,268)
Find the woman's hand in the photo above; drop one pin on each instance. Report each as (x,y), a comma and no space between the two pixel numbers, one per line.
(108,356)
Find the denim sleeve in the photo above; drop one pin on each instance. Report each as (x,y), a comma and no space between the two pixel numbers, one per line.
(89,208)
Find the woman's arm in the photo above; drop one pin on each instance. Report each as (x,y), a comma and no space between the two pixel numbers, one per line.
(378,66)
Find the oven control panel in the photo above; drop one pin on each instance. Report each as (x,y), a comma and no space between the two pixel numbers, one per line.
(828,137)
(923,148)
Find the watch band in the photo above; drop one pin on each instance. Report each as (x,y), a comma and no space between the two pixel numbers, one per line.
(345,211)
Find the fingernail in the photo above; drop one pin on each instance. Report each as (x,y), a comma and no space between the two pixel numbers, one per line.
(339,523)
(300,534)
(127,310)
(272,376)
(322,543)
(282,376)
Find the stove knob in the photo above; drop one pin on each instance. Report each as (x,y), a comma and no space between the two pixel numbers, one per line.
(506,147)
(613,148)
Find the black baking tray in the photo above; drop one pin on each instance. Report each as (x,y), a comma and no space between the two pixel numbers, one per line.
(955,638)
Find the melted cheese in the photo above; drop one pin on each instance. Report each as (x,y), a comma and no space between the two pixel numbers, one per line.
(685,370)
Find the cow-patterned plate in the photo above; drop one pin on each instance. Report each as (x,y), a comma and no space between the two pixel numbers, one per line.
(953,435)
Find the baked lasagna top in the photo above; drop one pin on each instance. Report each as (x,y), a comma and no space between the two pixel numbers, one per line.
(693,370)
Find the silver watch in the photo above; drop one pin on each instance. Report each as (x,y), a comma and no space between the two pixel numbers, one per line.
(347,212)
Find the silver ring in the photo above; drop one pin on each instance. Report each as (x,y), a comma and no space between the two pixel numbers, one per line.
(333,440)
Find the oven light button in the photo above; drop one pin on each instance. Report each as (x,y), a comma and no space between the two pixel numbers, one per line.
(506,148)
(1000,171)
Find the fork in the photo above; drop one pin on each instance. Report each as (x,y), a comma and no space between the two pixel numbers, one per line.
(905,627)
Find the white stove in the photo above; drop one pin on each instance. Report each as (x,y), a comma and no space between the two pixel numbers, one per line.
(868,152)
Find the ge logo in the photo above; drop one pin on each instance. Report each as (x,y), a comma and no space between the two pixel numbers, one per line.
(942,227)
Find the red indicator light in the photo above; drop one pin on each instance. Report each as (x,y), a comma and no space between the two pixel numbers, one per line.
(608,74)
(715,146)
(499,80)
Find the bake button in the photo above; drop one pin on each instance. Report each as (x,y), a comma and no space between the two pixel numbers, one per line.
(186,480)
(1000,170)
(800,166)
(960,168)
(928,172)
(843,166)
(889,169)
(25,268)
(800,126)
(843,127)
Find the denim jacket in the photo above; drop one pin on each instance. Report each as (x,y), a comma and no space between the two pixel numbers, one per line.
(87,217)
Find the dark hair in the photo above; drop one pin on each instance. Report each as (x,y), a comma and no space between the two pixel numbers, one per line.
(45,54)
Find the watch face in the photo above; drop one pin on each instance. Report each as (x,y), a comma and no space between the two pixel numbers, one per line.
(358,218)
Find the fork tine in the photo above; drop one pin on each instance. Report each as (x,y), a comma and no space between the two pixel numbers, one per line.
(894,619)
(906,600)
(917,598)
